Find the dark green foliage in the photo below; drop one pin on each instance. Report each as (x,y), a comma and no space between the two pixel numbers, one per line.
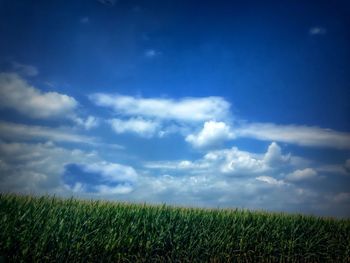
(55,230)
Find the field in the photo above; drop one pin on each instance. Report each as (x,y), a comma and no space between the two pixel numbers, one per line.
(48,229)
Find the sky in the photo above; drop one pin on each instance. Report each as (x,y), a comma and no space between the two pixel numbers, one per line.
(223,104)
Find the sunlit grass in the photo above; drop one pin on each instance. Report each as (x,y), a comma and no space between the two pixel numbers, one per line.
(51,229)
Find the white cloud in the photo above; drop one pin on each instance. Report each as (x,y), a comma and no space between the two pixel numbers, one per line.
(112,172)
(227,162)
(274,156)
(88,123)
(237,162)
(15,131)
(17,94)
(270,180)
(215,113)
(119,189)
(38,169)
(300,135)
(211,190)
(213,133)
(142,127)
(112,178)
(178,165)
(186,109)
(26,70)
(302,175)
(317,31)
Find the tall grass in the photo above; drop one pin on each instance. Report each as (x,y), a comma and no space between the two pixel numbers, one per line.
(49,229)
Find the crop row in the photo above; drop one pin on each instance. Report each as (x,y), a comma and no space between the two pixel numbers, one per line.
(49,229)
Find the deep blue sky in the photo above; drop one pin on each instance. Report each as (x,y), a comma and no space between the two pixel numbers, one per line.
(282,67)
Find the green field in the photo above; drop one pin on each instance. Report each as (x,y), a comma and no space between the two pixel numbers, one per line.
(56,230)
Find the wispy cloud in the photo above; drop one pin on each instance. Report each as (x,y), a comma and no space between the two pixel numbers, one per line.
(295,134)
(151,53)
(87,123)
(84,20)
(19,132)
(108,2)
(25,70)
(317,30)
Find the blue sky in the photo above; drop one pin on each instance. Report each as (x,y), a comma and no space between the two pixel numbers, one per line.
(210,103)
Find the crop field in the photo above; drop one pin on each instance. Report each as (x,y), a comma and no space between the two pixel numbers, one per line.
(48,229)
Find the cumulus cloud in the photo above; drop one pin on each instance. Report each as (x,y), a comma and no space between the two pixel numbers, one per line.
(227,162)
(302,175)
(139,126)
(186,109)
(235,161)
(17,94)
(274,156)
(21,132)
(212,134)
(300,135)
(234,177)
(25,70)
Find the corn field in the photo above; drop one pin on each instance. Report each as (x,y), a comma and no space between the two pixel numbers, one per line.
(49,229)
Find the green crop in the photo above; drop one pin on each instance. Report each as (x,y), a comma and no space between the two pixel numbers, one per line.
(48,229)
